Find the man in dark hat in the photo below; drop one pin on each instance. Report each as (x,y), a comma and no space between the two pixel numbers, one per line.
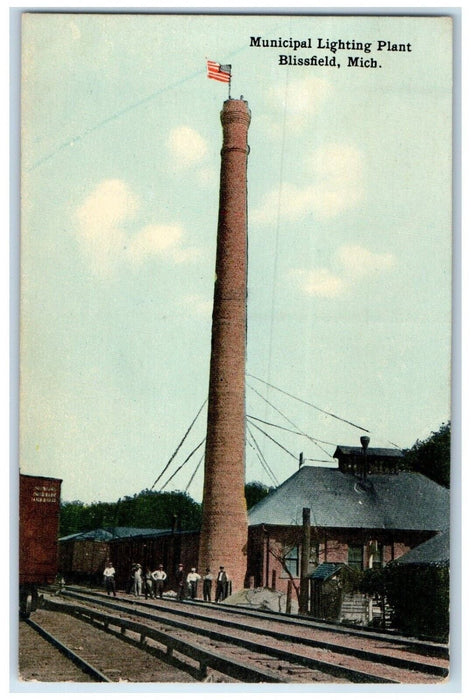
(180,579)
(207,584)
(221,585)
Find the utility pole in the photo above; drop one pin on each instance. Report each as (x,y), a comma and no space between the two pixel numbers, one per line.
(365,441)
(305,553)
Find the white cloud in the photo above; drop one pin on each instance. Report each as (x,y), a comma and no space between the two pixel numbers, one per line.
(334,159)
(104,230)
(110,203)
(198,304)
(359,262)
(319,283)
(75,30)
(351,264)
(299,99)
(338,169)
(101,220)
(335,174)
(187,254)
(186,147)
(154,239)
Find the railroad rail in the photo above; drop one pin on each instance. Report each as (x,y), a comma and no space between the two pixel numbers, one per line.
(84,666)
(422,646)
(206,659)
(296,650)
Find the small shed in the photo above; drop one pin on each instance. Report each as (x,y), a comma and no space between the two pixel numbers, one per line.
(335,595)
(327,583)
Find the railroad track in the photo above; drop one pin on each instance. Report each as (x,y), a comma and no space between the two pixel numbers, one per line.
(257,647)
(91,673)
(90,654)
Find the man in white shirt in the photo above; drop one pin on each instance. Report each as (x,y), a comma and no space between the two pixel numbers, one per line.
(192,581)
(108,576)
(159,577)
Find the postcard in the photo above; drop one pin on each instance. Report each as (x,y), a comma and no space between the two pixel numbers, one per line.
(235,348)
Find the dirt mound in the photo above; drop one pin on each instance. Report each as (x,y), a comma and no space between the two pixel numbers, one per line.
(262,599)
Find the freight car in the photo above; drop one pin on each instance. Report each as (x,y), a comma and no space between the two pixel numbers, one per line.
(38,533)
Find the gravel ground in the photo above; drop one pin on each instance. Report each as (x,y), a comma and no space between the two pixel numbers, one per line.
(118,660)
(122,662)
(386,646)
(39,661)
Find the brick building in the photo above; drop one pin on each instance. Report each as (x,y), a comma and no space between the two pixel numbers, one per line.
(362,521)
(356,520)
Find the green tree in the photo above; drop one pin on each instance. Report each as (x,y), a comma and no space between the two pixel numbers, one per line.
(147,509)
(431,457)
(160,510)
(255,491)
(71,518)
(418,595)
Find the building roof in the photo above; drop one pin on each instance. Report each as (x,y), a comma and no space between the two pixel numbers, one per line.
(113,533)
(326,570)
(98,535)
(371,452)
(435,551)
(127,532)
(404,501)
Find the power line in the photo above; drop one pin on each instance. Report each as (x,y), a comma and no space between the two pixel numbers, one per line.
(179,445)
(261,458)
(119,113)
(183,463)
(289,430)
(194,473)
(327,413)
(275,441)
(277,227)
(289,421)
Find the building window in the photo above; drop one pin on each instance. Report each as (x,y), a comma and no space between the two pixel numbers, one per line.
(291,562)
(377,557)
(355,557)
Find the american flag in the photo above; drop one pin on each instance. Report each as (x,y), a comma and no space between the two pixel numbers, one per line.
(218,72)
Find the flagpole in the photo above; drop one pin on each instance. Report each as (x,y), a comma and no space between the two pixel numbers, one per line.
(216,71)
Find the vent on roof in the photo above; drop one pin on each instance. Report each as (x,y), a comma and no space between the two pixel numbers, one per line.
(381,460)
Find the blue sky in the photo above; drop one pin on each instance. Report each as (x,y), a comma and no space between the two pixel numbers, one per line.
(349,294)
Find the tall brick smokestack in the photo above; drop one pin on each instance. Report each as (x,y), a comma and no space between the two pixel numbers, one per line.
(223,537)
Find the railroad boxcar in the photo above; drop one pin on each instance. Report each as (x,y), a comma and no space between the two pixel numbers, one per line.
(39,508)
(83,556)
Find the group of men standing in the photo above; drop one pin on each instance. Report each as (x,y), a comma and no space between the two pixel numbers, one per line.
(190,582)
(152,583)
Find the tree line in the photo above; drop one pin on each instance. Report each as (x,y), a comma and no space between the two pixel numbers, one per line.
(431,456)
(147,509)
(176,509)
